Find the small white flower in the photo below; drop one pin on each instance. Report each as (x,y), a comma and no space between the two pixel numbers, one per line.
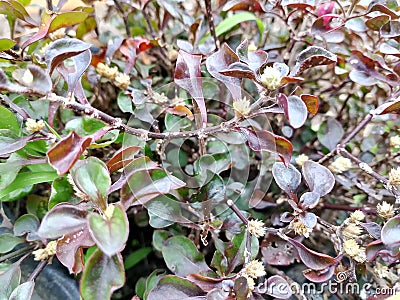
(357,216)
(394,176)
(352,231)
(45,253)
(302,158)
(122,80)
(27,78)
(242,107)
(58,34)
(395,141)
(252,47)
(271,78)
(341,164)
(160,98)
(254,269)
(385,210)
(300,228)
(33,126)
(256,228)
(106,71)
(351,247)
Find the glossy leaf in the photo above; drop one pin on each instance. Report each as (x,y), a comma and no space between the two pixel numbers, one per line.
(10,142)
(312,259)
(8,241)
(174,287)
(277,252)
(102,275)
(277,287)
(220,61)
(373,229)
(110,234)
(391,231)
(27,224)
(188,76)
(319,178)
(309,200)
(287,178)
(392,107)
(6,44)
(263,140)
(92,178)
(10,280)
(308,219)
(23,292)
(122,157)
(311,57)
(296,112)
(61,191)
(182,256)
(62,219)
(61,49)
(330,133)
(8,120)
(63,155)
(375,23)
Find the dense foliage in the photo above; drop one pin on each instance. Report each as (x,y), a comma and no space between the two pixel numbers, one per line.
(230,149)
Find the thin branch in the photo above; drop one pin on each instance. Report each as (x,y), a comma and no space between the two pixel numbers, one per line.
(210,20)
(124,17)
(49,5)
(16,253)
(37,270)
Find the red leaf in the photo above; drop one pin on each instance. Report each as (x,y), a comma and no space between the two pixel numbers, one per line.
(122,157)
(188,76)
(263,140)
(63,155)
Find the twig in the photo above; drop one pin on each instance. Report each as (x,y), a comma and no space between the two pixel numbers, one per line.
(37,270)
(210,20)
(124,17)
(16,253)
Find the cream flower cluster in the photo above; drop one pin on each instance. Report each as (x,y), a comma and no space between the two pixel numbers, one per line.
(45,253)
(271,78)
(33,126)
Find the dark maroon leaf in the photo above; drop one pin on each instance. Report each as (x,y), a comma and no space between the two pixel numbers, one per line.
(309,200)
(277,252)
(319,179)
(391,29)
(188,76)
(392,107)
(299,4)
(312,259)
(122,158)
(221,60)
(361,62)
(388,253)
(239,70)
(311,57)
(326,24)
(246,5)
(263,140)
(174,287)
(373,229)
(206,283)
(63,219)
(63,155)
(391,231)
(319,276)
(287,178)
(61,49)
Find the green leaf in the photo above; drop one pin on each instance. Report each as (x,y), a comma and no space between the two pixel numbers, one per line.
(101,276)
(182,256)
(110,234)
(61,191)
(91,177)
(84,125)
(27,224)
(230,22)
(26,179)
(10,280)
(6,44)
(9,170)
(136,256)
(124,102)
(8,241)
(23,291)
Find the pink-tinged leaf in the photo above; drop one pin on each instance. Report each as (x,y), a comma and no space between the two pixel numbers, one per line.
(130,48)
(313,56)
(63,155)
(392,107)
(299,4)
(63,219)
(220,61)
(326,24)
(383,9)
(319,276)
(69,249)
(239,70)
(10,142)
(287,178)
(277,287)
(375,23)
(59,50)
(309,200)
(52,21)
(325,8)
(308,219)
(102,275)
(174,287)
(391,29)
(263,140)
(122,157)
(390,254)
(312,259)
(361,62)
(311,102)
(188,77)
(391,231)
(206,283)
(110,234)
(257,60)
(319,178)
(277,252)
(373,229)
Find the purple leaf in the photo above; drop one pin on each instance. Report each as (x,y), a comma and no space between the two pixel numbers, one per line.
(319,179)
(391,231)
(308,219)
(221,60)
(278,287)
(188,76)
(319,276)
(372,228)
(309,200)
(287,178)
(174,287)
(277,252)
(311,57)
